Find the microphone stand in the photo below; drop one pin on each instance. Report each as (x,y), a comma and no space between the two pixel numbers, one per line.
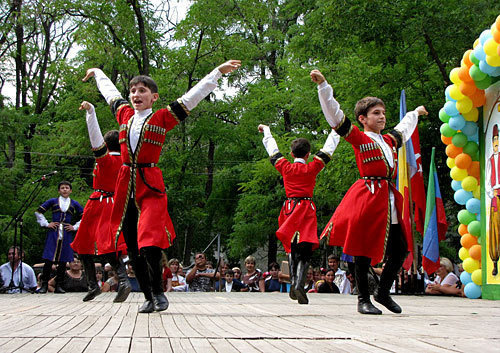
(17,220)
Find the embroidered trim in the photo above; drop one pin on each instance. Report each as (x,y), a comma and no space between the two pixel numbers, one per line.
(275,158)
(323,157)
(156,129)
(157,143)
(397,137)
(344,128)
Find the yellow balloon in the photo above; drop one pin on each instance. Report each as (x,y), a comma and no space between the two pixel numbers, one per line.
(469,183)
(476,42)
(455,93)
(493,60)
(463,253)
(477,277)
(470,265)
(477,193)
(450,162)
(454,76)
(472,115)
(490,47)
(464,105)
(458,174)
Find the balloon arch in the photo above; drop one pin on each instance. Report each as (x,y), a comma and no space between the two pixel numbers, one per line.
(480,69)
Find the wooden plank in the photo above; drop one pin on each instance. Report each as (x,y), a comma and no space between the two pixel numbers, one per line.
(170,327)
(98,344)
(76,344)
(242,346)
(82,326)
(111,327)
(127,326)
(181,345)
(156,326)
(14,344)
(141,328)
(119,345)
(201,345)
(54,345)
(161,345)
(222,345)
(140,345)
(184,327)
(32,346)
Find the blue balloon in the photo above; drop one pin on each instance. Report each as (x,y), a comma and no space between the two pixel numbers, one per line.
(496,72)
(469,128)
(474,138)
(472,290)
(451,108)
(465,278)
(478,217)
(473,205)
(484,67)
(461,196)
(479,52)
(447,94)
(457,123)
(485,35)
(456,185)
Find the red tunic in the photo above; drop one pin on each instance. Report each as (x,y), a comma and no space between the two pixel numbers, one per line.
(361,222)
(298,215)
(94,235)
(140,175)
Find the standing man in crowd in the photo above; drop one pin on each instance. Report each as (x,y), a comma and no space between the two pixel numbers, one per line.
(201,278)
(16,266)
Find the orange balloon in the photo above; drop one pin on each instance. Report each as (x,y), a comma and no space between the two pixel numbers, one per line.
(466,58)
(468,88)
(463,161)
(462,229)
(446,140)
(463,74)
(496,34)
(452,151)
(497,22)
(478,98)
(473,169)
(475,252)
(467,240)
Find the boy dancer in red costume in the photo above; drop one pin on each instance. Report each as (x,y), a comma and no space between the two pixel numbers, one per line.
(367,221)
(140,208)
(297,221)
(94,231)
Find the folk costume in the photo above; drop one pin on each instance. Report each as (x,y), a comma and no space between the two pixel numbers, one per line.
(297,221)
(58,242)
(94,235)
(367,221)
(492,188)
(140,208)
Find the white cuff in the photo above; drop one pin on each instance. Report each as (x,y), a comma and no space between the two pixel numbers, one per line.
(407,125)
(95,135)
(105,86)
(194,96)
(41,220)
(331,143)
(77,225)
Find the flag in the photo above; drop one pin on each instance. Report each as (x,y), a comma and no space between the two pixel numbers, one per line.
(435,222)
(417,182)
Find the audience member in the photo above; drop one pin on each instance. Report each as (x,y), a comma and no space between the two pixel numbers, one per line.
(132,280)
(309,279)
(230,284)
(73,281)
(341,280)
(328,285)
(316,274)
(237,273)
(16,266)
(98,276)
(111,284)
(253,278)
(166,274)
(272,282)
(201,278)
(178,281)
(446,281)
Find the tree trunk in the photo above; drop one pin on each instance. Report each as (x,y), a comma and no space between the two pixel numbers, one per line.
(144,66)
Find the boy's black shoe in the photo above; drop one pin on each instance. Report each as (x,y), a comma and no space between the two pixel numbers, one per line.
(147,307)
(366,307)
(160,302)
(387,301)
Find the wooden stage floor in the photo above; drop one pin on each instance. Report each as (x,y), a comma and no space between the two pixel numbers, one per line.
(245,322)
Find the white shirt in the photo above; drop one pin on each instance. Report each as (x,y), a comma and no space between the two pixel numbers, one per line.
(95,135)
(342,282)
(229,286)
(334,115)
(64,203)
(29,279)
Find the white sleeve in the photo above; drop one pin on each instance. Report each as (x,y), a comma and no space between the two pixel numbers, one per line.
(105,86)
(269,142)
(201,89)
(77,225)
(487,184)
(331,143)
(95,135)
(41,220)
(407,125)
(331,108)
(31,277)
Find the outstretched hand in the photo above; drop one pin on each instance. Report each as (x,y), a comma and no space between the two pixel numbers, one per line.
(261,127)
(229,66)
(90,73)
(421,110)
(317,76)
(85,106)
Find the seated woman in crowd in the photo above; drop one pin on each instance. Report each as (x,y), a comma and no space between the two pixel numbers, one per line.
(237,273)
(446,282)
(253,278)
(178,281)
(309,284)
(74,278)
(328,286)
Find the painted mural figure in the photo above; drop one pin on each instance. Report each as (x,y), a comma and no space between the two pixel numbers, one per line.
(493,192)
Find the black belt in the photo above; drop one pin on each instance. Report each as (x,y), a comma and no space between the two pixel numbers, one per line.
(376,178)
(104,194)
(297,200)
(140,166)
(371,187)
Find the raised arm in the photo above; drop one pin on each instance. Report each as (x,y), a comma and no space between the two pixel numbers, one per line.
(331,143)
(408,124)
(268,140)
(95,135)
(207,84)
(331,108)
(104,84)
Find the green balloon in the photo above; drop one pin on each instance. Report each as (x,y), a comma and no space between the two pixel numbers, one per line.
(475,157)
(473,58)
(465,217)
(474,228)
(471,148)
(459,139)
(479,240)
(484,83)
(443,116)
(477,74)
(447,131)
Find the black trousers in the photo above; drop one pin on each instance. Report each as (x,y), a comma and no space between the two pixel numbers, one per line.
(47,269)
(395,254)
(146,262)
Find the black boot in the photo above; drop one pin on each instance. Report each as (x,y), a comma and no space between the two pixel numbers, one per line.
(47,268)
(160,302)
(146,307)
(44,287)
(381,294)
(293,278)
(124,287)
(365,306)
(89,268)
(140,266)
(300,292)
(154,255)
